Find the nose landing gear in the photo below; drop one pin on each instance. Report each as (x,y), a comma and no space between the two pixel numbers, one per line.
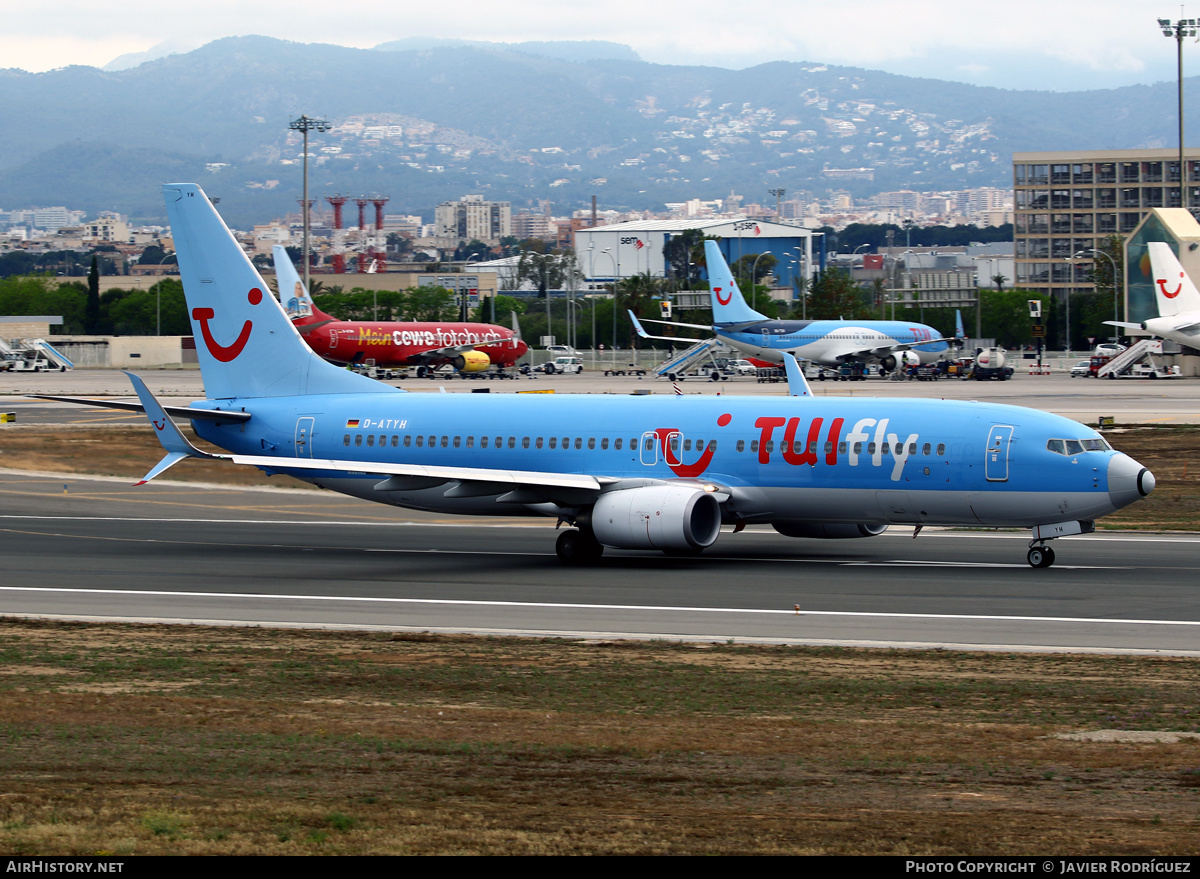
(1040,556)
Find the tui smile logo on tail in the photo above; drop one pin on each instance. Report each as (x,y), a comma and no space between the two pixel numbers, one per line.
(226,353)
(1170,294)
(726,299)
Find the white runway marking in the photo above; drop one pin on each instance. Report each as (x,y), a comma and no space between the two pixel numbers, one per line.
(457,602)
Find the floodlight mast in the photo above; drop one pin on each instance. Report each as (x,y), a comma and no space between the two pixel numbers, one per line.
(304,125)
(1184,27)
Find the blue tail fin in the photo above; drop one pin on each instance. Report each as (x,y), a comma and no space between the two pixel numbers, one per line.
(292,295)
(959,332)
(727,303)
(246,345)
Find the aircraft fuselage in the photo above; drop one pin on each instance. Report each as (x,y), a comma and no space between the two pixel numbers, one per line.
(851,460)
(832,342)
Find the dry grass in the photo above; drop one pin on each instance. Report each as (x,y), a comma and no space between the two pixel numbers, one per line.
(155,740)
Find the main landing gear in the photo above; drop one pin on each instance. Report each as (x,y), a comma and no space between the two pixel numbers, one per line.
(578,548)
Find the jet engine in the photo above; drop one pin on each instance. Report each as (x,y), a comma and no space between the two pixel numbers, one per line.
(471,361)
(826,531)
(900,358)
(673,518)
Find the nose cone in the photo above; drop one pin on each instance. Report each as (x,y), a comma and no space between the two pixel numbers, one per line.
(1128,481)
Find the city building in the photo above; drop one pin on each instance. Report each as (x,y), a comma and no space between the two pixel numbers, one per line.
(625,249)
(1071,202)
(471,218)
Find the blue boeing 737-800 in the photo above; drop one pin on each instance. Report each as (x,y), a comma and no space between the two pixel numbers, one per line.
(629,472)
(889,343)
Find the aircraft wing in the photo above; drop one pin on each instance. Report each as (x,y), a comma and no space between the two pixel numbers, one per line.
(176,411)
(440,355)
(642,334)
(885,350)
(510,486)
(671,323)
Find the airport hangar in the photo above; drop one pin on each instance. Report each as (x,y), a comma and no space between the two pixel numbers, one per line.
(608,253)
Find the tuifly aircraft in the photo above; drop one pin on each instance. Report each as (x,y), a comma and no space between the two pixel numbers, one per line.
(890,344)
(627,472)
(468,347)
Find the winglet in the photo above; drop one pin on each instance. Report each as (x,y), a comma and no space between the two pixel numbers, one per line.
(637,325)
(169,435)
(797,383)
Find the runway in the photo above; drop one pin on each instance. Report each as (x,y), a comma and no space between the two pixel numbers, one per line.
(100,549)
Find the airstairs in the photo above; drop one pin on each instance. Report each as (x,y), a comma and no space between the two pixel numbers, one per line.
(32,355)
(681,363)
(1137,361)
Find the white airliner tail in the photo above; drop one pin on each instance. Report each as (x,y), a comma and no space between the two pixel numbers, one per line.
(727,303)
(1174,290)
(246,345)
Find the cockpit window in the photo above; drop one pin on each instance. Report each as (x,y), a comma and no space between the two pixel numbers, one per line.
(1077,447)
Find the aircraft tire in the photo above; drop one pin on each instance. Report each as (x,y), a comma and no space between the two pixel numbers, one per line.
(577,548)
(1040,557)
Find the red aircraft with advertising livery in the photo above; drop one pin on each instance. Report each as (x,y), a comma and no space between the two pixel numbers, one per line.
(427,345)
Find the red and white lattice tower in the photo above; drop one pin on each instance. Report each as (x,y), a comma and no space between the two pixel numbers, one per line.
(339,245)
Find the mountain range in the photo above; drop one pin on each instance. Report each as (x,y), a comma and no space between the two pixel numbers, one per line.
(427,123)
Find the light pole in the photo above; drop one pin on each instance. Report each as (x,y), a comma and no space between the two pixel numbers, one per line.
(753,284)
(1069,260)
(304,125)
(990,260)
(778,193)
(1108,256)
(1184,27)
(616,272)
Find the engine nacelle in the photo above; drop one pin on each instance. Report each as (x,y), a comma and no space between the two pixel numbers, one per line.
(826,530)
(471,361)
(666,517)
(910,358)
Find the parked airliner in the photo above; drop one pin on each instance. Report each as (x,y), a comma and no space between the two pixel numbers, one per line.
(628,472)
(468,347)
(889,343)
(1178,300)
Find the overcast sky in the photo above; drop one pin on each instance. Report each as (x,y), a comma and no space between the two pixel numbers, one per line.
(1057,45)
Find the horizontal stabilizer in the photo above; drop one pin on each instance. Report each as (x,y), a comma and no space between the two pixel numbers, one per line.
(174,411)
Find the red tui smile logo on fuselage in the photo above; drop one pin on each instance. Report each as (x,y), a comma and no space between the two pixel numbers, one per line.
(226,353)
